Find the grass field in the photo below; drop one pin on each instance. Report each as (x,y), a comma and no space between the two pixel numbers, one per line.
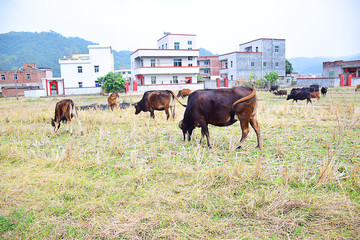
(132,177)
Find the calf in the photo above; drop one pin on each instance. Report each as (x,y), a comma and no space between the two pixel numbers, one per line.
(157,100)
(273,88)
(299,94)
(324,91)
(281,93)
(315,95)
(64,112)
(184,92)
(357,87)
(219,107)
(112,100)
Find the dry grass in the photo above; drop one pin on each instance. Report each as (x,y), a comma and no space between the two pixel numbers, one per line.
(130,177)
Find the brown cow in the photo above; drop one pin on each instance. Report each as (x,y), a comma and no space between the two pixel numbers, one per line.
(315,95)
(218,107)
(280,92)
(157,100)
(184,92)
(357,87)
(112,100)
(64,112)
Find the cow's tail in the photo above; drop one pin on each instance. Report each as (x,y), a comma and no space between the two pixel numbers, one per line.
(232,112)
(174,96)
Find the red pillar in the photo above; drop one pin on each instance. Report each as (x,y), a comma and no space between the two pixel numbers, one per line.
(226,82)
(135,86)
(218,82)
(349,79)
(127,86)
(341,80)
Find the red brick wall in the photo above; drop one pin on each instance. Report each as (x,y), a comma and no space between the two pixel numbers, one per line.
(11,92)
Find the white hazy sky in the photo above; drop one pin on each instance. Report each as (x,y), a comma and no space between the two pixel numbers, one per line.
(312,28)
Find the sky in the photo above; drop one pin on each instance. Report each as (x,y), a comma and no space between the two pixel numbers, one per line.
(312,28)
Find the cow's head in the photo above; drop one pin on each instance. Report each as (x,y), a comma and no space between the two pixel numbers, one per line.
(137,108)
(55,124)
(187,130)
(289,97)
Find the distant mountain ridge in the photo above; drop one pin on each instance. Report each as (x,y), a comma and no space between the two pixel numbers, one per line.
(46,48)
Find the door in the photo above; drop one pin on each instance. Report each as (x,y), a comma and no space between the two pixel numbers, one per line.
(54,88)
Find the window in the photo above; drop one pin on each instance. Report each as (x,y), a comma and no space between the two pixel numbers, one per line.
(166,45)
(153,80)
(207,62)
(231,77)
(177,62)
(96,69)
(79,69)
(152,62)
(176,45)
(162,46)
(189,42)
(331,74)
(97,84)
(264,64)
(276,48)
(80,84)
(141,63)
(206,70)
(2,77)
(175,79)
(28,76)
(15,76)
(257,49)
(190,58)
(276,64)
(252,64)
(226,65)
(231,63)
(190,48)
(190,64)
(129,72)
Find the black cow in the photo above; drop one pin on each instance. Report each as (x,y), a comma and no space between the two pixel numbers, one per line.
(274,88)
(324,91)
(314,88)
(218,107)
(299,94)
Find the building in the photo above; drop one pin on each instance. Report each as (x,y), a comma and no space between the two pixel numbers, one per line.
(173,62)
(209,67)
(27,77)
(126,73)
(83,70)
(349,71)
(254,59)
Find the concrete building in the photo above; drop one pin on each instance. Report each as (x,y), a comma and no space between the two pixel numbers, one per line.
(254,59)
(209,67)
(27,77)
(126,73)
(83,70)
(173,62)
(348,71)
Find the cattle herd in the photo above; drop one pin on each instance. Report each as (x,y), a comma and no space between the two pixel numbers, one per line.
(218,107)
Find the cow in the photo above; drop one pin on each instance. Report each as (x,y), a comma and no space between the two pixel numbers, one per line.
(280,92)
(184,92)
(299,94)
(314,88)
(112,100)
(315,95)
(157,100)
(357,87)
(64,112)
(219,107)
(274,88)
(324,91)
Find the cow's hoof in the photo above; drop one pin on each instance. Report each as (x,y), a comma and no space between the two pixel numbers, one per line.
(209,147)
(239,147)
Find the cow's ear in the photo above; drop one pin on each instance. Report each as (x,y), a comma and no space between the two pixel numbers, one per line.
(135,104)
(181,124)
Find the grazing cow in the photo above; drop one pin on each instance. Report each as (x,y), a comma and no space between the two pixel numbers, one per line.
(315,95)
(218,107)
(280,92)
(112,100)
(314,88)
(64,112)
(324,91)
(274,88)
(357,87)
(157,100)
(184,92)
(299,94)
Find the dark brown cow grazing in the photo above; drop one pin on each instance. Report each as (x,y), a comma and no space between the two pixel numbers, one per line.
(112,100)
(357,87)
(315,95)
(157,100)
(64,112)
(184,92)
(218,107)
(281,93)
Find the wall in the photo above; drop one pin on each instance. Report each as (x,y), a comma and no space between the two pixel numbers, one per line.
(322,82)
(83,91)
(35,93)
(173,87)
(355,81)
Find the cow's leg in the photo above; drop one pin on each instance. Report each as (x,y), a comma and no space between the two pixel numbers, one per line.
(255,125)
(205,131)
(167,113)
(244,123)
(152,114)
(173,111)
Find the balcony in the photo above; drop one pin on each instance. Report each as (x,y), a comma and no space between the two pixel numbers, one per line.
(166,70)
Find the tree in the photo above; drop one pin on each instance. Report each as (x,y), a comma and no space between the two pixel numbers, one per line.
(271,77)
(288,67)
(112,82)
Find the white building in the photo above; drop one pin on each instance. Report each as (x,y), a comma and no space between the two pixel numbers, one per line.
(83,70)
(173,62)
(125,72)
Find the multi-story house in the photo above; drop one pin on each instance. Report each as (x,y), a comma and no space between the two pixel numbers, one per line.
(83,70)
(209,67)
(174,61)
(25,78)
(254,59)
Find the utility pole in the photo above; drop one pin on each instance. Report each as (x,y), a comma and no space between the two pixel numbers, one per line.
(15,80)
